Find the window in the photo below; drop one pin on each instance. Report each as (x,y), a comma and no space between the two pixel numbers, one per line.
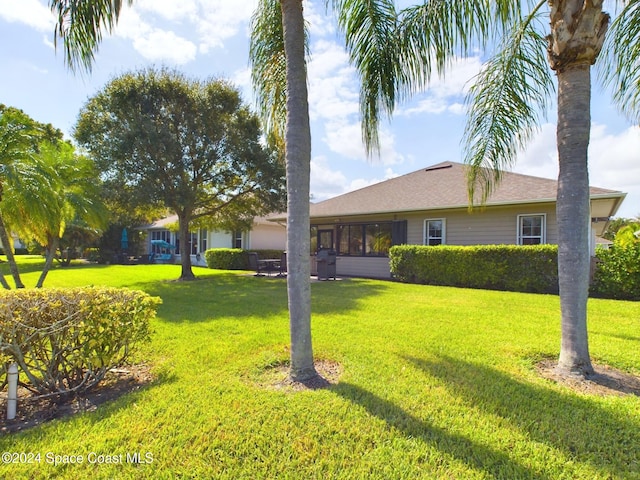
(193,242)
(203,240)
(237,239)
(371,240)
(434,231)
(378,239)
(532,229)
(164,235)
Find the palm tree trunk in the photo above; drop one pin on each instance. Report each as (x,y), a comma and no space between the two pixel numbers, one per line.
(51,252)
(8,251)
(298,169)
(573,211)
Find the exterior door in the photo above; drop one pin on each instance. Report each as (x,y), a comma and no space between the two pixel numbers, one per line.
(325,239)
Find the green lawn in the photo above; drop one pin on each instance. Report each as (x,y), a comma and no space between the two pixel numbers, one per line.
(436,383)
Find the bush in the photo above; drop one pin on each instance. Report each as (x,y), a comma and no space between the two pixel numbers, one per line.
(235,258)
(91,254)
(226,258)
(66,340)
(497,267)
(617,273)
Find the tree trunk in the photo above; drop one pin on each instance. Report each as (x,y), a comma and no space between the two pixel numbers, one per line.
(51,252)
(574,217)
(8,251)
(186,273)
(298,169)
(578,29)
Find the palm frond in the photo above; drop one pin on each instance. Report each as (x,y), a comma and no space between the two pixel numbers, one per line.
(621,60)
(268,68)
(370,29)
(80,24)
(505,104)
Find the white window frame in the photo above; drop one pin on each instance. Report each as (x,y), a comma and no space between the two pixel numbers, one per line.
(543,233)
(425,231)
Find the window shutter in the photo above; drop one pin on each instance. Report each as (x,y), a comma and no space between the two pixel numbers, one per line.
(399,232)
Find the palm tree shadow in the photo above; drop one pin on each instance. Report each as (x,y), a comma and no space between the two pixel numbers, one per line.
(475,455)
(569,423)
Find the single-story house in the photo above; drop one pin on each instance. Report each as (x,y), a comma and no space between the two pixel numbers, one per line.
(430,207)
(264,235)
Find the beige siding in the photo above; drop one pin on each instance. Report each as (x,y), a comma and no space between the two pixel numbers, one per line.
(370,267)
(491,226)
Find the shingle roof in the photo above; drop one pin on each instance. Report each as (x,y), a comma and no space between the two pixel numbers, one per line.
(440,186)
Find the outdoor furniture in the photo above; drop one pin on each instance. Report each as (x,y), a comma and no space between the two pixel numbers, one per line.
(283,265)
(326,260)
(255,264)
(270,265)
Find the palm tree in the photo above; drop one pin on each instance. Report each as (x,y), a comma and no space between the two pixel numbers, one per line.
(55,188)
(16,151)
(280,78)
(278,46)
(513,91)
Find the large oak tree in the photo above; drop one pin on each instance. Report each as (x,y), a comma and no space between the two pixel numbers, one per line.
(190,145)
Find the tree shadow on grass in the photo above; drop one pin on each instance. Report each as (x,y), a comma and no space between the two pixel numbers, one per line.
(576,425)
(243,296)
(461,448)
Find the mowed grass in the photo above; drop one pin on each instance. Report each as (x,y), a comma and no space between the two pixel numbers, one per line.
(435,383)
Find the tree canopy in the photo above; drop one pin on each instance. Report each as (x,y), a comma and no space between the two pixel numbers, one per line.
(190,145)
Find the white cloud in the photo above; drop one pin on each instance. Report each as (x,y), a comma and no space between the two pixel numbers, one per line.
(30,12)
(326,182)
(443,94)
(160,45)
(614,161)
(332,91)
(168,9)
(318,22)
(154,44)
(218,20)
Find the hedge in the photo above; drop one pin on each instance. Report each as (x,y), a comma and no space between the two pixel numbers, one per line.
(497,267)
(235,258)
(617,273)
(66,340)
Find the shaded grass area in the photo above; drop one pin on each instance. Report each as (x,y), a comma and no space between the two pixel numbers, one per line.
(435,383)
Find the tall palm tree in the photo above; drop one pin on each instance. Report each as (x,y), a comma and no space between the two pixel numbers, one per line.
(513,91)
(280,79)
(278,47)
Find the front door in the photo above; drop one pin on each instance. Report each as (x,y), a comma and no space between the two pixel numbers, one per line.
(325,239)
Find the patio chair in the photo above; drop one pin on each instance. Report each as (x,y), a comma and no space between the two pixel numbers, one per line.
(254,264)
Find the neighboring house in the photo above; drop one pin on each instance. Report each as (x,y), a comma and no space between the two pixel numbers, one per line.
(17,243)
(264,235)
(430,207)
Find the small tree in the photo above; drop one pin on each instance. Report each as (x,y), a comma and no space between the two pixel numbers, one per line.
(191,145)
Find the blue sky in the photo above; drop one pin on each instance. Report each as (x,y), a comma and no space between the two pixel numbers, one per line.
(209,38)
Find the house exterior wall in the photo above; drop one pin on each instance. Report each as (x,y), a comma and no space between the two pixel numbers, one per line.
(219,240)
(489,226)
(493,226)
(267,237)
(366,267)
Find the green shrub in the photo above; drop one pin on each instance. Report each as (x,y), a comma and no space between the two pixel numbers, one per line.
(92,254)
(66,340)
(497,267)
(235,258)
(226,258)
(617,273)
